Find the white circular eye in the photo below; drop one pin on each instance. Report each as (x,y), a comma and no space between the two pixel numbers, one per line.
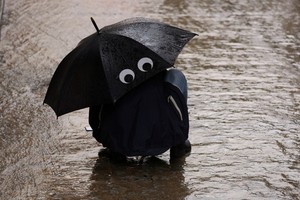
(145,64)
(126,76)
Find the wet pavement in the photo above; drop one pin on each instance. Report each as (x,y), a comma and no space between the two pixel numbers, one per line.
(243,71)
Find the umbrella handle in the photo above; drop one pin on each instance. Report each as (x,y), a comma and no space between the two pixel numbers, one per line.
(95,25)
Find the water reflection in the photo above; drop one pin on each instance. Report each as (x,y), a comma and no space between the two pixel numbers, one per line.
(153,179)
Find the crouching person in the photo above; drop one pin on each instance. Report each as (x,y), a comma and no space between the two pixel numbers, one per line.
(147,121)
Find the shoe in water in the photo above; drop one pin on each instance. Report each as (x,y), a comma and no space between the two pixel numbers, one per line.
(181,150)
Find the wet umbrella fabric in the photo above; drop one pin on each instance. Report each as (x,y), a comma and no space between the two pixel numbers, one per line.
(109,63)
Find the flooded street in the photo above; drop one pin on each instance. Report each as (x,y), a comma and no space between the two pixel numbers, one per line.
(243,71)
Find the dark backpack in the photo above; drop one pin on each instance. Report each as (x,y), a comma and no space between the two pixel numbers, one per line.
(149,120)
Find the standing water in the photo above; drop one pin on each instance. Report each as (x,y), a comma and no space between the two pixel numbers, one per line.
(243,71)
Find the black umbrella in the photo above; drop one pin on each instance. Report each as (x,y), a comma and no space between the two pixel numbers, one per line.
(107,64)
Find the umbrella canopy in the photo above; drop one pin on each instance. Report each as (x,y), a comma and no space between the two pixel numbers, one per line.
(109,63)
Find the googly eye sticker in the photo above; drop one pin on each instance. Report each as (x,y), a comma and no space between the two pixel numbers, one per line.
(126,76)
(145,64)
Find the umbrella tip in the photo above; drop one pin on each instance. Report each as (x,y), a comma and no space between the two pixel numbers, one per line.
(95,25)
